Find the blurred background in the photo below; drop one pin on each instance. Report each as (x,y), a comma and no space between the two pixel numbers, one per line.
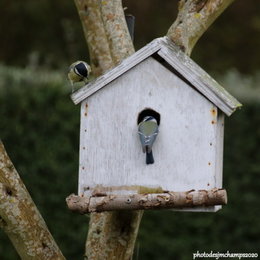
(39,125)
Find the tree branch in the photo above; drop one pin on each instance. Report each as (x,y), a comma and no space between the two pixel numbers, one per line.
(95,35)
(194,18)
(106,33)
(148,201)
(19,217)
(118,36)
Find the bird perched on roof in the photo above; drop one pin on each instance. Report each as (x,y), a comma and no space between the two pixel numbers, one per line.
(148,130)
(78,71)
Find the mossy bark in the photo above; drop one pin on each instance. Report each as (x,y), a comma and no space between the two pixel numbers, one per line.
(106,33)
(193,19)
(19,217)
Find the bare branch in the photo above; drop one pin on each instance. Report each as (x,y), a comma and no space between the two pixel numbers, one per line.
(148,201)
(194,18)
(105,31)
(94,31)
(19,217)
(119,39)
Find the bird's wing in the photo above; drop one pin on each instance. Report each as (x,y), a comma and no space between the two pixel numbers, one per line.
(142,139)
(147,141)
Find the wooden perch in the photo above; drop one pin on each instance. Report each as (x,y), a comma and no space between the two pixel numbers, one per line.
(166,200)
(19,217)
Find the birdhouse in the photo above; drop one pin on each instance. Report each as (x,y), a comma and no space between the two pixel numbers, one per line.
(189,106)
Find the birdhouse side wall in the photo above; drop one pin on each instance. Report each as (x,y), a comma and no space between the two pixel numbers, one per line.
(189,147)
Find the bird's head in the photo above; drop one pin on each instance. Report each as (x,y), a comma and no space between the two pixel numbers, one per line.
(149,118)
(81,68)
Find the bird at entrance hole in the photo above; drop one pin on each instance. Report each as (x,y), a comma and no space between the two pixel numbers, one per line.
(78,71)
(148,130)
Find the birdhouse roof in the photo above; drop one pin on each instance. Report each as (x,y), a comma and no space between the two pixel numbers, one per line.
(166,52)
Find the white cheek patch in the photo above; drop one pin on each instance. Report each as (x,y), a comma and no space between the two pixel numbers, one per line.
(77,72)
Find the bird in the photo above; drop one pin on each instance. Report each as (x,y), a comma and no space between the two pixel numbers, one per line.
(78,71)
(148,130)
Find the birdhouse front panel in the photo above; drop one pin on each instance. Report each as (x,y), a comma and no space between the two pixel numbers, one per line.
(187,151)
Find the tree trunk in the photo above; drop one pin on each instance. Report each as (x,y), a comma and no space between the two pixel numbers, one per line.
(20,219)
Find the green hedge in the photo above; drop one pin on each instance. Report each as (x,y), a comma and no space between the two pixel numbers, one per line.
(40,129)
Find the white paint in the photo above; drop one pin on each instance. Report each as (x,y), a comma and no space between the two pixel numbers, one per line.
(187,149)
(115,72)
(200,80)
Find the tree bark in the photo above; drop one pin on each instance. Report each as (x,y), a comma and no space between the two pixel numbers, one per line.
(95,35)
(112,235)
(193,19)
(166,200)
(19,217)
(119,39)
(106,33)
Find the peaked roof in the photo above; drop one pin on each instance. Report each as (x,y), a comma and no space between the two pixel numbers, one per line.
(182,64)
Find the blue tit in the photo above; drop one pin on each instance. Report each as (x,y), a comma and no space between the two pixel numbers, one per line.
(78,71)
(148,130)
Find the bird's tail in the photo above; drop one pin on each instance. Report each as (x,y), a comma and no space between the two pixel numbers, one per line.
(149,157)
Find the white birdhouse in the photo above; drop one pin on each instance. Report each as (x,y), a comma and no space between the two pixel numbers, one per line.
(189,106)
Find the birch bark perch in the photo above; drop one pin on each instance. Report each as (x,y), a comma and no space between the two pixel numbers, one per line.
(20,219)
(147,201)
